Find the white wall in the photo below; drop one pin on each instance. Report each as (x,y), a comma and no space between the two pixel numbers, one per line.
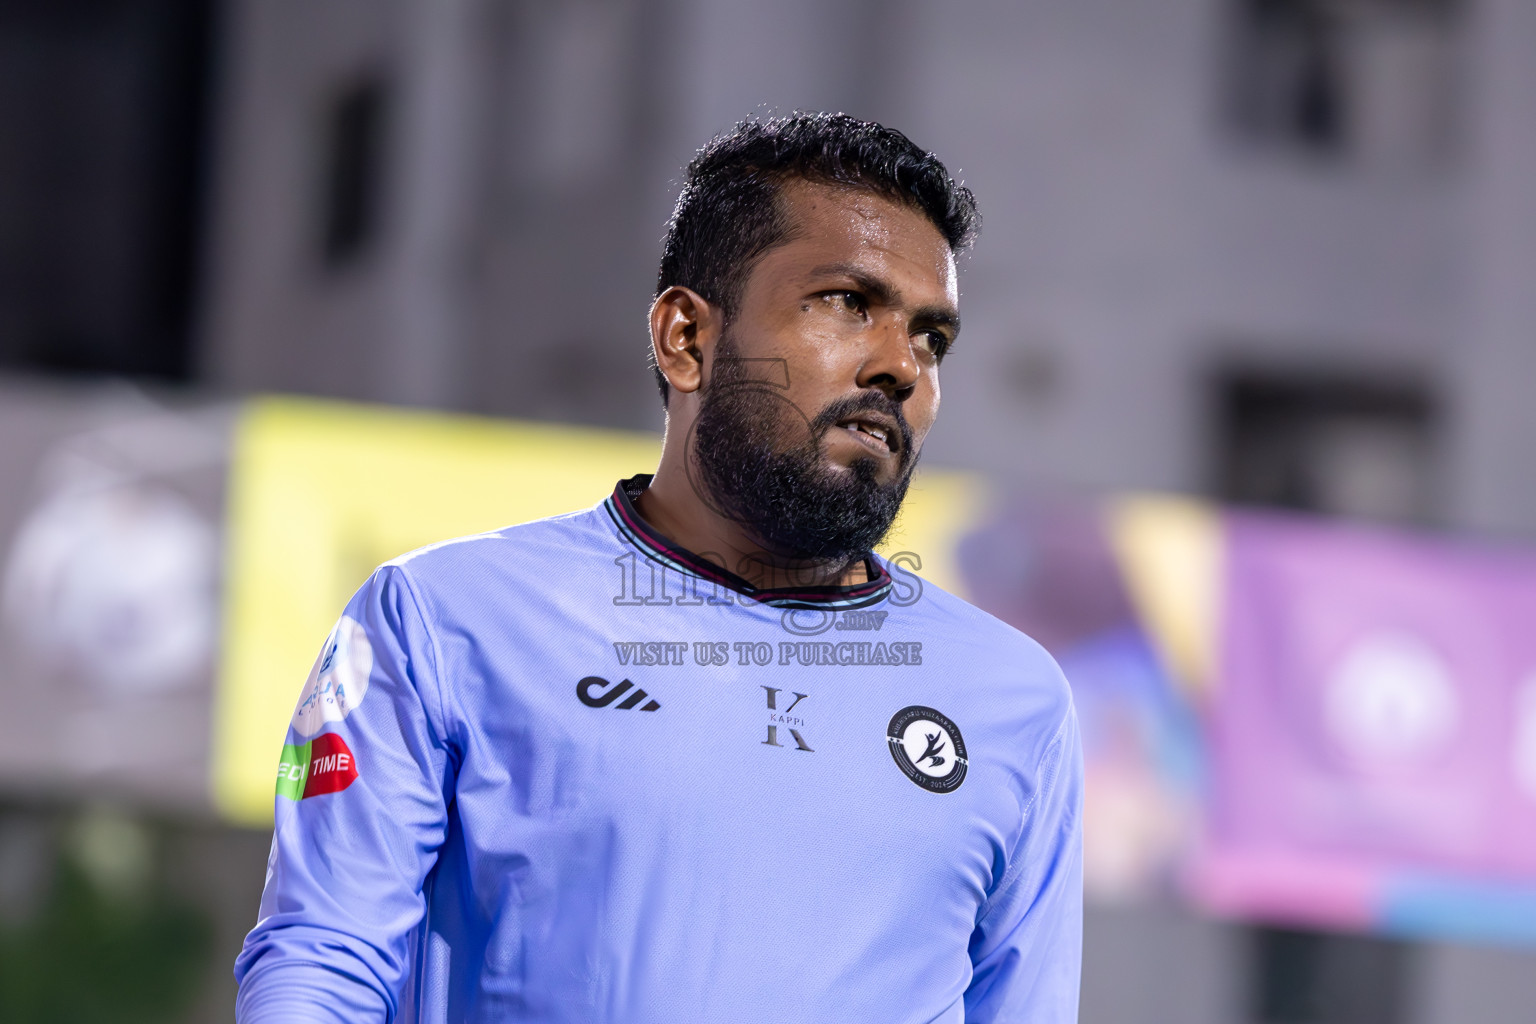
(1492,360)
(1129,243)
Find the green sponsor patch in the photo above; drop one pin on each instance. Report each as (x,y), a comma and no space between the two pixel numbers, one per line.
(291,770)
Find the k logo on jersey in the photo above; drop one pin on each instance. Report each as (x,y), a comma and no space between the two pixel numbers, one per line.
(928,748)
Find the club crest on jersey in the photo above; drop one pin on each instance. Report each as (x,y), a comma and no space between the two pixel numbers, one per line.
(928,748)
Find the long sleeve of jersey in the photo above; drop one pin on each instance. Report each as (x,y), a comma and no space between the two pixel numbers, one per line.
(1027,947)
(360,815)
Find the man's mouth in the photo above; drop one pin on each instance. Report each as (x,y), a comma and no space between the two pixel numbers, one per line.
(873,431)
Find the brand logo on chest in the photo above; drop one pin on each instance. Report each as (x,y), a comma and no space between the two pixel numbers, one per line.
(781,715)
(597,692)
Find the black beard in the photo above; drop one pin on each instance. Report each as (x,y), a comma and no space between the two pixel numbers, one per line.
(783,494)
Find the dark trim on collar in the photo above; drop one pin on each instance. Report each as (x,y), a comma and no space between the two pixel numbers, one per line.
(620,507)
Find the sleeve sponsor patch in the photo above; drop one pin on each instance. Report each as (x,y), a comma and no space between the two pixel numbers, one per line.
(323,765)
(338,682)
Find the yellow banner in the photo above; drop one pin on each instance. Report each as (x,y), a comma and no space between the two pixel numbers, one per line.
(1171,553)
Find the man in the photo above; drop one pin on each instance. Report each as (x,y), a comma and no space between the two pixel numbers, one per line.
(694,754)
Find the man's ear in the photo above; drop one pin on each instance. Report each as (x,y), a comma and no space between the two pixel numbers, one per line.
(683,325)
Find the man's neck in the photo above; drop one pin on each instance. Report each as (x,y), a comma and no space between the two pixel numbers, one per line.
(672,508)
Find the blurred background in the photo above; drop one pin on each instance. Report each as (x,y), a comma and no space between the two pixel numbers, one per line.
(1236,429)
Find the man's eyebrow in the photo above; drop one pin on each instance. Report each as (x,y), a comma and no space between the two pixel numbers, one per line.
(938,316)
(882,293)
(875,288)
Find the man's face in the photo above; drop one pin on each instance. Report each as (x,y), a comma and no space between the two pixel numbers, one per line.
(825,383)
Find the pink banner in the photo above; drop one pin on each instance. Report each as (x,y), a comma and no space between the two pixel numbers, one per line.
(1374,721)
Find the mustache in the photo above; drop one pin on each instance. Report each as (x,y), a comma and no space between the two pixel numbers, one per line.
(872,400)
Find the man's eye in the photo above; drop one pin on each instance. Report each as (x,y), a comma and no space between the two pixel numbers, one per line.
(933,342)
(850,302)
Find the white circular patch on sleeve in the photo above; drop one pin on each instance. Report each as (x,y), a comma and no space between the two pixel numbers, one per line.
(338,682)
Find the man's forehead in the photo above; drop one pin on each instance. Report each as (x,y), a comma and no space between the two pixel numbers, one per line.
(862,225)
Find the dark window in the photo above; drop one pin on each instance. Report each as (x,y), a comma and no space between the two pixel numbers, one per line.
(1305,977)
(1359,445)
(1329,77)
(1288,75)
(353,171)
(102,139)
(1341,444)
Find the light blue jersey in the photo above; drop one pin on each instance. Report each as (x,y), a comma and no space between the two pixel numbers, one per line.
(566,772)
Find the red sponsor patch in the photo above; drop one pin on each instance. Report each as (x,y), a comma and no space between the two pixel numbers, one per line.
(332,768)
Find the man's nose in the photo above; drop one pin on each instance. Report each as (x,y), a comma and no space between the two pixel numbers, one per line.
(890,364)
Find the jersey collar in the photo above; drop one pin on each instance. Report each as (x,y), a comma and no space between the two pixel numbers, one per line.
(620,506)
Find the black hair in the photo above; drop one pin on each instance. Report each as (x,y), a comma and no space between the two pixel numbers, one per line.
(728,214)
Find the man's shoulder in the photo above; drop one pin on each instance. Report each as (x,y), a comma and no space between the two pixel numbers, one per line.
(965,622)
(994,649)
(511,554)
